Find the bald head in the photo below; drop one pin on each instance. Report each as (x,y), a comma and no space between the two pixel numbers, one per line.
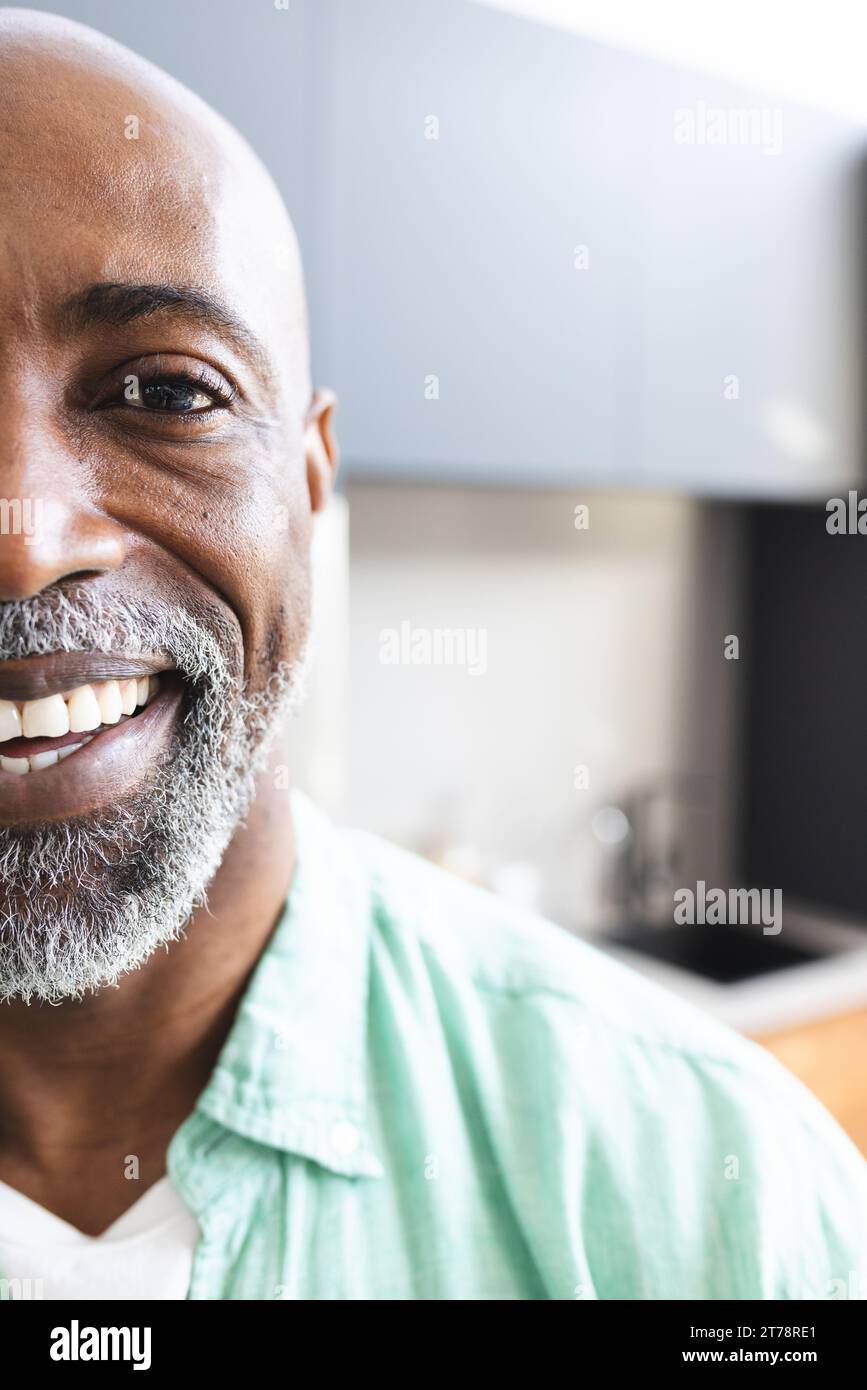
(150,183)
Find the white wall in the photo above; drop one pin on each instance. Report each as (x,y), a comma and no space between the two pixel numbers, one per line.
(604,648)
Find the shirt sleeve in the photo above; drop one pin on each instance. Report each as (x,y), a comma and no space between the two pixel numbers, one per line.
(646,1168)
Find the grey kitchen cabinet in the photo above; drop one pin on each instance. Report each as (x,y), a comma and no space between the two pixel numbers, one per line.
(706,341)
(462,339)
(751,280)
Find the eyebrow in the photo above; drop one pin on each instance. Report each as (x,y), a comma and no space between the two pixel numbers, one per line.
(116,304)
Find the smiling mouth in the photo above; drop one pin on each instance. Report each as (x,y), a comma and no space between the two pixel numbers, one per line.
(37,734)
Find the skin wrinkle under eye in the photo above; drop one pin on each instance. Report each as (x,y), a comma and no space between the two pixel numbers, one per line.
(156,436)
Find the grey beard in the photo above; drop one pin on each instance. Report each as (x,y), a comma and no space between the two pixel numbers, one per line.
(83,902)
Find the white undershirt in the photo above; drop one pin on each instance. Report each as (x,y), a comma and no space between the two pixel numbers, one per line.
(146,1253)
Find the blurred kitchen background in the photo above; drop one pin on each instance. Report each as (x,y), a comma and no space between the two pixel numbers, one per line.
(608,256)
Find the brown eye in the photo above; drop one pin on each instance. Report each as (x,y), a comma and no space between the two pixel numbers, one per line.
(173,395)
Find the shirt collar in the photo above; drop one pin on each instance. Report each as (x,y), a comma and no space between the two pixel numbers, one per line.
(292,1072)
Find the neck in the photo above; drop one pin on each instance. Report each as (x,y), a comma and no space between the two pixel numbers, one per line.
(116,1073)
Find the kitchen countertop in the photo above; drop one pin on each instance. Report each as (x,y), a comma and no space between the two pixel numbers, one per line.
(782,999)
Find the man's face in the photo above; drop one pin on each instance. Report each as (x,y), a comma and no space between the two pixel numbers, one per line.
(155,506)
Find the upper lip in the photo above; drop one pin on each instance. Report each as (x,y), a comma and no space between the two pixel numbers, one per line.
(34,677)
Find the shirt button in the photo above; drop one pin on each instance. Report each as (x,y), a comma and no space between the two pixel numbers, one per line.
(345,1137)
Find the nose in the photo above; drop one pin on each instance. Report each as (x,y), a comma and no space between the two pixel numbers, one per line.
(51,527)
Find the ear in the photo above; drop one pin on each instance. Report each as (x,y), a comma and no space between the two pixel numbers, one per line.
(320,447)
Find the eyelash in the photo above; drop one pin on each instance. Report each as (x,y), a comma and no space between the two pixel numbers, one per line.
(221,394)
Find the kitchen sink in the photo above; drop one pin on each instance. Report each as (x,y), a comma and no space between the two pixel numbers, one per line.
(724,954)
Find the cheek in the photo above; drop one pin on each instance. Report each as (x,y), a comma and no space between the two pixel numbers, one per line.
(265,567)
(244,537)
(276,616)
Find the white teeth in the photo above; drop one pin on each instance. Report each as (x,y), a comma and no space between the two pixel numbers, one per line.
(110,705)
(80,711)
(45,718)
(39,760)
(10,720)
(128,696)
(84,712)
(17,765)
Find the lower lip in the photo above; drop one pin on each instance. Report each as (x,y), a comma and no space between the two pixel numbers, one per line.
(115,764)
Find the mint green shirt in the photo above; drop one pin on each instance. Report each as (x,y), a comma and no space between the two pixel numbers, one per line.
(427,1095)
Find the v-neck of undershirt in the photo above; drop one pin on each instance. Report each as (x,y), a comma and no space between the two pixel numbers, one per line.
(24,1222)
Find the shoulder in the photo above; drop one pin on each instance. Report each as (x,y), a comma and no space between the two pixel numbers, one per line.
(507,956)
(688,1145)
(542,985)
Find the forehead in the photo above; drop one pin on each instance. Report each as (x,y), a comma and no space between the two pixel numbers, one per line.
(104,177)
